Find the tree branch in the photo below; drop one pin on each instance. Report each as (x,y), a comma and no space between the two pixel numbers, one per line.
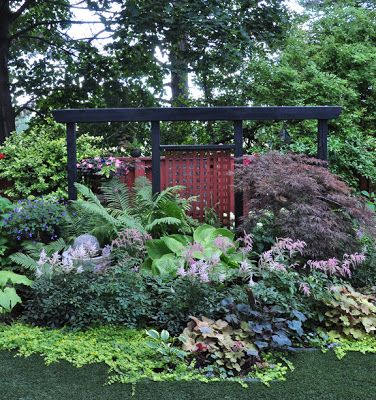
(47,23)
(43,40)
(27,4)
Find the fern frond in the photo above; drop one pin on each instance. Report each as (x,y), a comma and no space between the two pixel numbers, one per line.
(117,195)
(167,194)
(24,260)
(96,210)
(33,249)
(162,221)
(87,193)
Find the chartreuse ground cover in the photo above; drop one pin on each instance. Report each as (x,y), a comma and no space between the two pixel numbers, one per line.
(127,357)
(316,375)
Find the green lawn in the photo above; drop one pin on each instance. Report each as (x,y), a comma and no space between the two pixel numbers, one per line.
(317,376)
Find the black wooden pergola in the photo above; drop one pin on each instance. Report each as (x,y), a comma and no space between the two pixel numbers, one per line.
(155,115)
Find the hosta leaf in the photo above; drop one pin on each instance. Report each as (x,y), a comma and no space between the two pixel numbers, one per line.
(156,248)
(174,245)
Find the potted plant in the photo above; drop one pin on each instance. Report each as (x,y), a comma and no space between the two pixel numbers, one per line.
(135,149)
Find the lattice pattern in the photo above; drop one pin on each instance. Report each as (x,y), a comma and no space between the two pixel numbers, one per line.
(205,174)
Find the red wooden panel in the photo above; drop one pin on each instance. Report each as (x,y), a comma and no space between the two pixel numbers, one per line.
(205,174)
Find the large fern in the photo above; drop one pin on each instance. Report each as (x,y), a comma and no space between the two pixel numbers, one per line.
(163,212)
(103,218)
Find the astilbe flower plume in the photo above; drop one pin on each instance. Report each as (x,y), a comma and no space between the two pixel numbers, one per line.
(335,267)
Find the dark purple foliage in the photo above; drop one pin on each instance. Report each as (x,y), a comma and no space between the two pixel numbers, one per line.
(307,201)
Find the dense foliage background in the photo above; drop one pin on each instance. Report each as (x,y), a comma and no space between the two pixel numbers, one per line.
(142,54)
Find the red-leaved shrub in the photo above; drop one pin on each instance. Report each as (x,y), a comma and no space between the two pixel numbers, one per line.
(307,203)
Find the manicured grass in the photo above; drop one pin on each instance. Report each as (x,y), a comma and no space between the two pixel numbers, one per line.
(317,376)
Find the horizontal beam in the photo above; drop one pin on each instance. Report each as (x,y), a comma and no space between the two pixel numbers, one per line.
(196,114)
(193,147)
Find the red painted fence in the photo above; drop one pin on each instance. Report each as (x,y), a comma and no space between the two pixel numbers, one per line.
(207,175)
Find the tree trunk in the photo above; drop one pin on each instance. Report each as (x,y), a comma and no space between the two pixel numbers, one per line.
(7,120)
(179,74)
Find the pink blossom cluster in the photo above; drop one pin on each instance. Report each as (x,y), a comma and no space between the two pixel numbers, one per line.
(247,241)
(223,243)
(290,245)
(191,250)
(304,288)
(333,266)
(198,269)
(267,260)
(130,237)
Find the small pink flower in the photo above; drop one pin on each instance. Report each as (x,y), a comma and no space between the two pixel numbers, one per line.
(304,288)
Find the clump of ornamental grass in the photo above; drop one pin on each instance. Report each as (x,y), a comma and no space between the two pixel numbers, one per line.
(304,201)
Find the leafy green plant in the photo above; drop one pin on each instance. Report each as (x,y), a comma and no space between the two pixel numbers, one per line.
(5,243)
(163,344)
(210,251)
(174,300)
(351,313)
(371,200)
(89,215)
(216,342)
(81,300)
(39,219)
(163,213)
(35,160)
(8,295)
(121,208)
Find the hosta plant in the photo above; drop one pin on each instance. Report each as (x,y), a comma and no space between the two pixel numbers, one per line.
(163,344)
(351,313)
(207,255)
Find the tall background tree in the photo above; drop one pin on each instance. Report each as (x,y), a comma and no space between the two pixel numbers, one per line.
(37,55)
(205,38)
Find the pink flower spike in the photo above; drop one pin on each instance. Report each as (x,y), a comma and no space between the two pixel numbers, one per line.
(304,288)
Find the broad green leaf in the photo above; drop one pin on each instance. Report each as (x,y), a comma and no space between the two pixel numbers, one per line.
(153,333)
(9,298)
(156,248)
(13,278)
(165,335)
(166,265)
(203,233)
(174,245)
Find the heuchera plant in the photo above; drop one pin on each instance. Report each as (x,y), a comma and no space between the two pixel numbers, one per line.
(216,342)
(351,313)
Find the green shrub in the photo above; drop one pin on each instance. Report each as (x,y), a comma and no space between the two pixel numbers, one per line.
(81,300)
(5,242)
(175,300)
(35,160)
